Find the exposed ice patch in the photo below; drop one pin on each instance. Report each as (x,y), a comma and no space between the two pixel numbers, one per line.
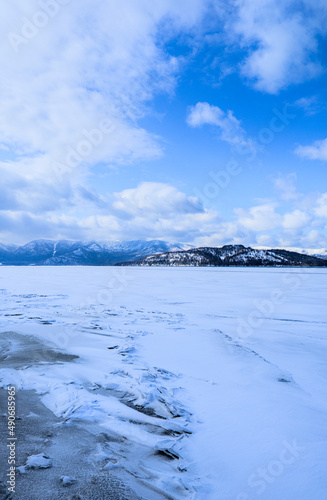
(40,461)
(67,480)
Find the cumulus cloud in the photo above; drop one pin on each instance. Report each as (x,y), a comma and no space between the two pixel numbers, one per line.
(62,74)
(229,126)
(259,218)
(160,211)
(105,62)
(76,78)
(149,211)
(321,206)
(280,40)
(76,82)
(317,151)
(157,210)
(20,227)
(295,220)
(154,199)
(224,233)
(314,237)
(65,71)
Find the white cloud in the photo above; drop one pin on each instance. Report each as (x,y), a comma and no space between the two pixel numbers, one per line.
(149,211)
(230,128)
(259,218)
(265,240)
(295,220)
(62,74)
(225,233)
(160,211)
(314,237)
(204,113)
(92,60)
(96,60)
(286,187)
(321,207)
(154,199)
(317,151)
(280,39)
(275,223)
(310,105)
(157,210)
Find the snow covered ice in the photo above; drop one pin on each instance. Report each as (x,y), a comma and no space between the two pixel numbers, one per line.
(208,383)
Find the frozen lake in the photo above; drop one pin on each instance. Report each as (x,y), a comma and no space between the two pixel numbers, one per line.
(209,383)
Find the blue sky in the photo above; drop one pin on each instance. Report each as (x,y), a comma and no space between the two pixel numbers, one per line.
(198,121)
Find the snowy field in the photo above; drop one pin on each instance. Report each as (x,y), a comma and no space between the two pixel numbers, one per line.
(209,383)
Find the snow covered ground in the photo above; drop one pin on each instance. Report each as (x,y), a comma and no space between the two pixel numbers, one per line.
(210,383)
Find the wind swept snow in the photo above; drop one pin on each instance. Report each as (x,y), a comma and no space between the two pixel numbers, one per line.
(206,383)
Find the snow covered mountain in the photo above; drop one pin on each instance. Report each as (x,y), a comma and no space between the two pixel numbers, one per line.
(315,252)
(229,255)
(148,253)
(321,255)
(79,253)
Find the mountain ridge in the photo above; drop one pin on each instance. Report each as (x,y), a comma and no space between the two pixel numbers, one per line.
(82,253)
(45,252)
(230,255)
